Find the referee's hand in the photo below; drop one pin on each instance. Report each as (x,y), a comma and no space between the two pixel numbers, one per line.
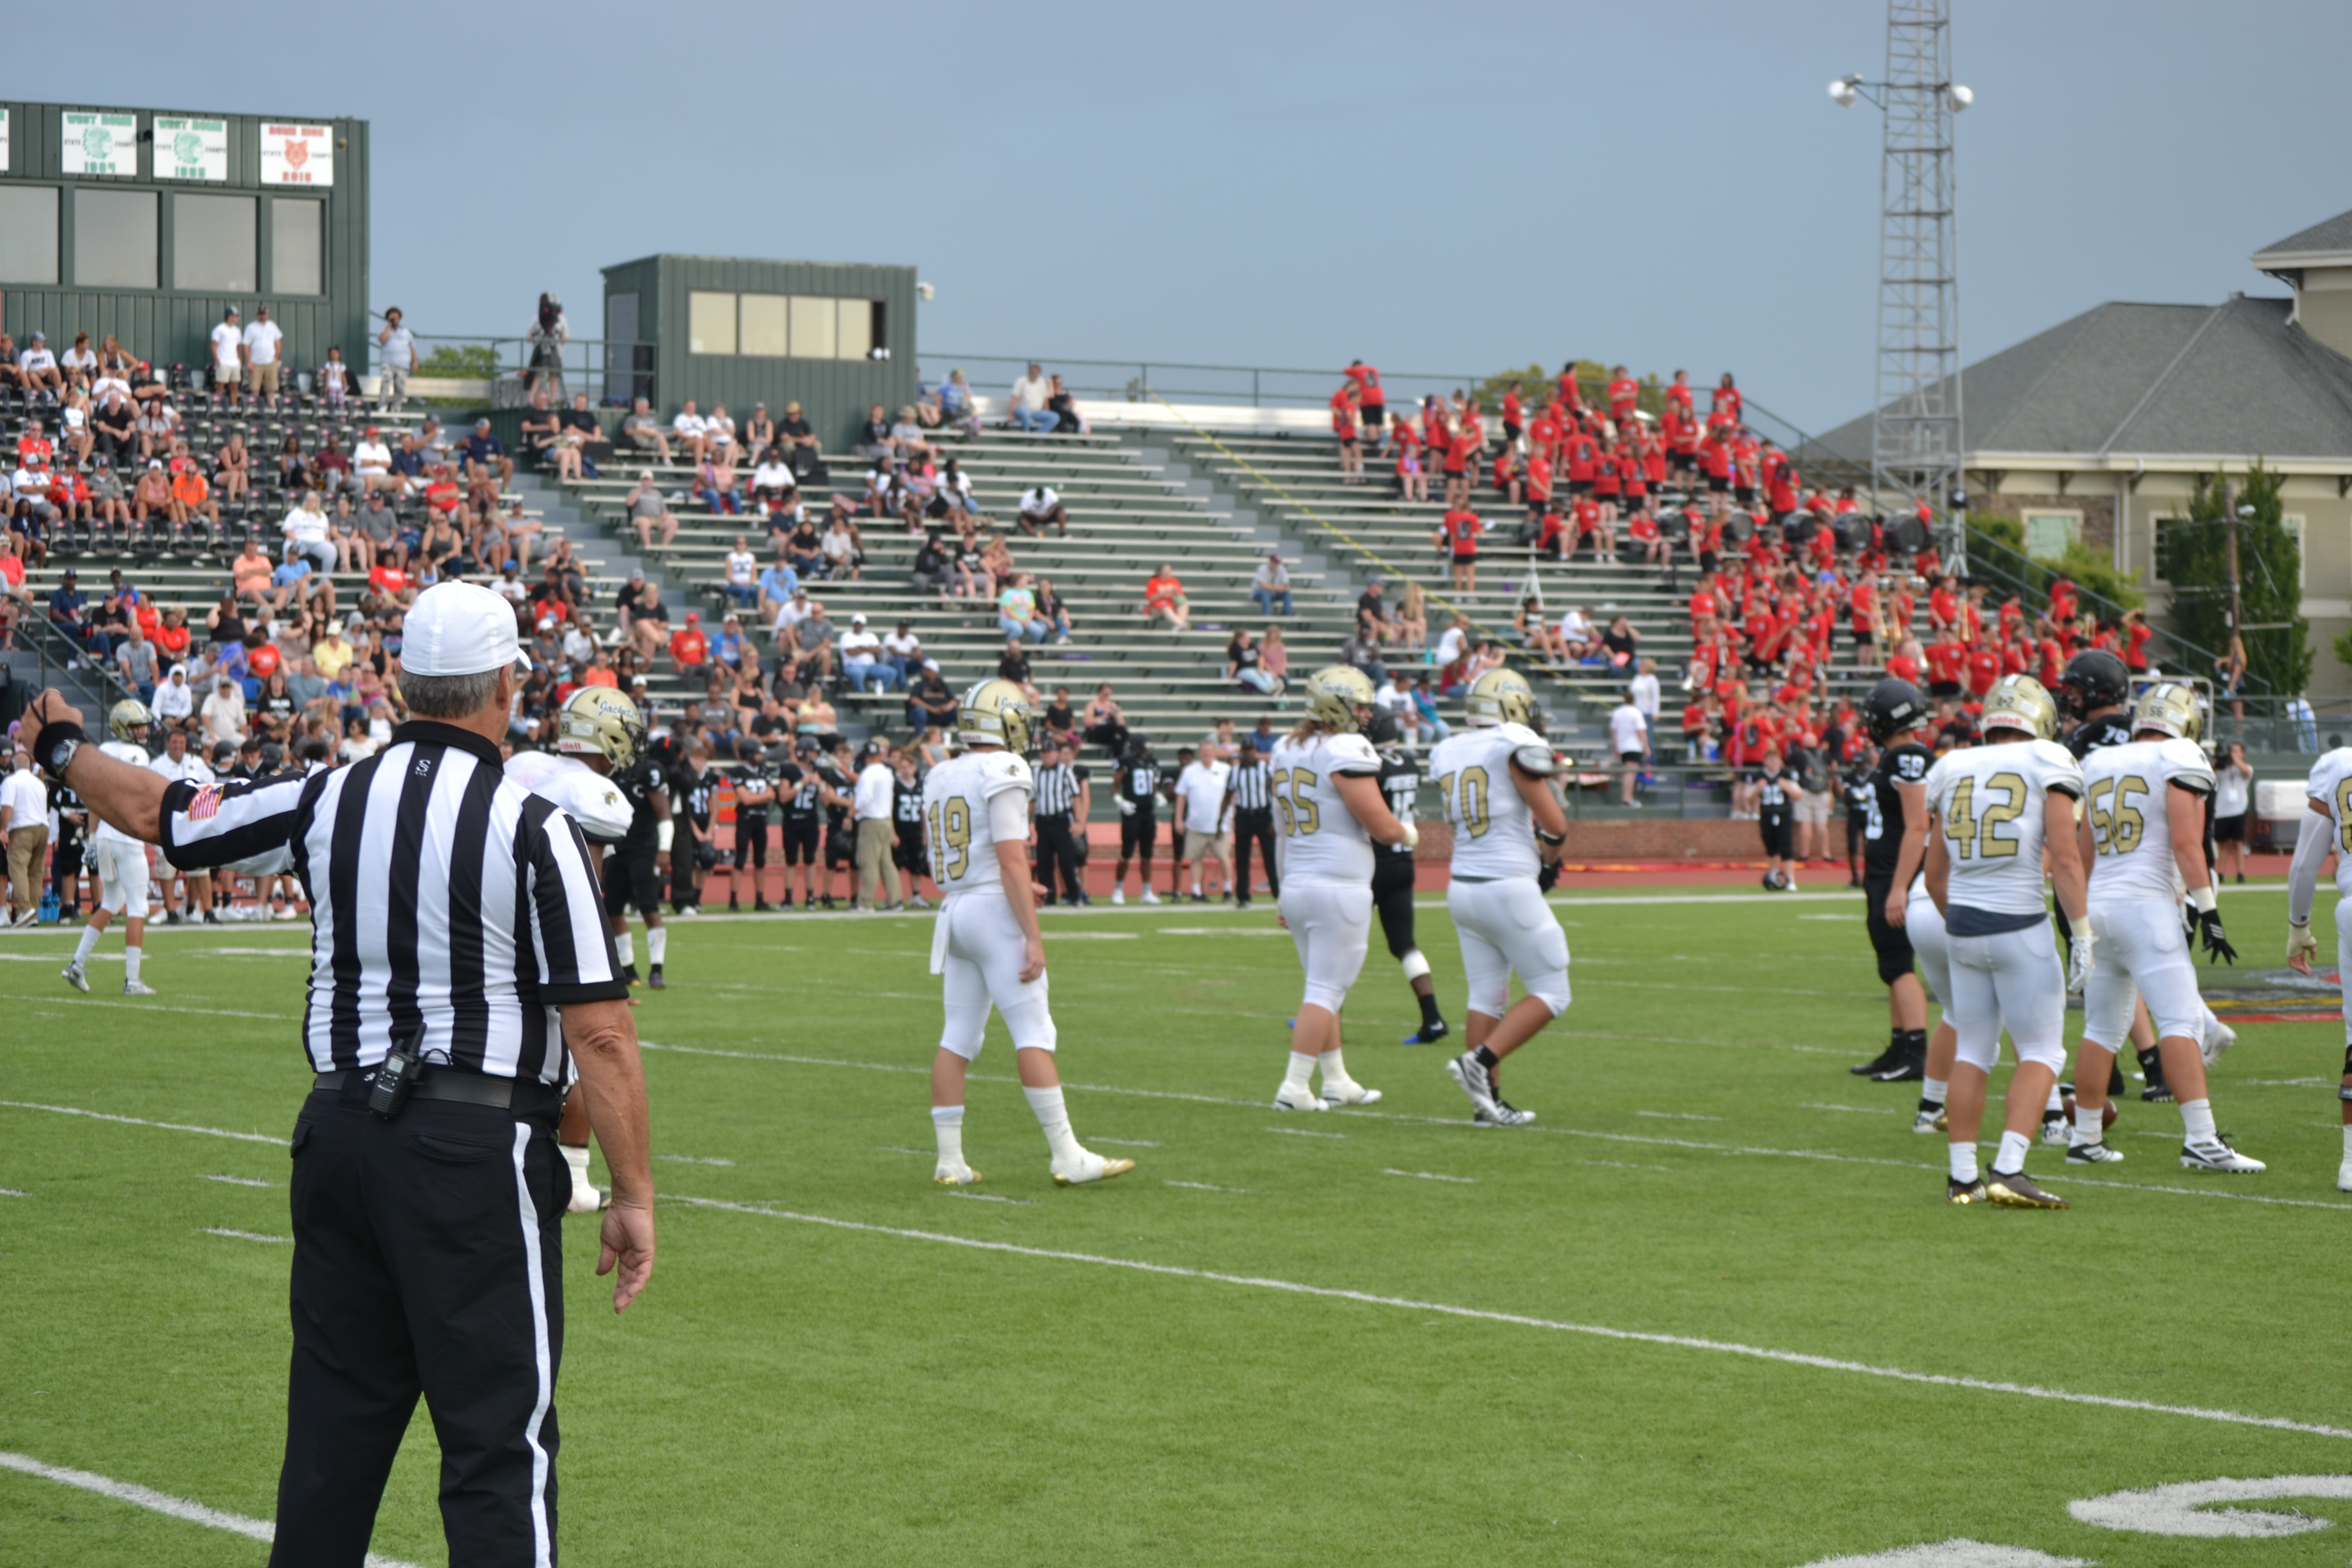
(627,1241)
(49,708)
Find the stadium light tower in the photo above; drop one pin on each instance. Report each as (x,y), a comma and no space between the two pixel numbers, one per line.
(1916,435)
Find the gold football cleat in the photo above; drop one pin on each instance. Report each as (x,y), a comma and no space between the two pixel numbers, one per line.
(1093,1168)
(2017,1191)
(1960,1192)
(970,1178)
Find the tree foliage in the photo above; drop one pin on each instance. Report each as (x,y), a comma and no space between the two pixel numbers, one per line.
(2192,554)
(463,362)
(1591,380)
(2086,568)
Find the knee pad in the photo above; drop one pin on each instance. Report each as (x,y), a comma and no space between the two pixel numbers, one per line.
(1415,965)
(1979,1050)
(966,1028)
(2051,1054)
(1320,993)
(1031,1024)
(1551,990)
(1894,965)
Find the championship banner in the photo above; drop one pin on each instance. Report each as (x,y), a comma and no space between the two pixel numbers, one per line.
(100,143)
(191,149)
(297,156)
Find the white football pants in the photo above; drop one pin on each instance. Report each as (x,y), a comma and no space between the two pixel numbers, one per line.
(1507,928)
(1331,925)
(977,946)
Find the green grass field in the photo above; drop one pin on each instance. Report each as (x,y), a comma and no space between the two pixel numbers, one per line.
(1359,1337)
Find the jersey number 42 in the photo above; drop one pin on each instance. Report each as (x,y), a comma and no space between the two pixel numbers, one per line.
(1973,829)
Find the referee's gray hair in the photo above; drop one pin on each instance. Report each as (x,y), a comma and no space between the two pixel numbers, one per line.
(448,695)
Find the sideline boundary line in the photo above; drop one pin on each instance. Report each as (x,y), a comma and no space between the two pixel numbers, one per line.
(1596,1330)
(259,1530)
(142,1122)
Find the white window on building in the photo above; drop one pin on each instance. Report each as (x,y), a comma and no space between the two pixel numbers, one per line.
(2048,533)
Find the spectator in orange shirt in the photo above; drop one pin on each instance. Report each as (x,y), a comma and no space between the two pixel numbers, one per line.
(689,650)
(1164,600)
(192,497)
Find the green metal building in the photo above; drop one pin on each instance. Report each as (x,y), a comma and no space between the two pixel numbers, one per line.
(145,222)
(835,338)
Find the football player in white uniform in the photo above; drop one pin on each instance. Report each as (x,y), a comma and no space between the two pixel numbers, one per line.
(598,734)
(2144,836)
(1992,810)
(1494,777)
(986,942)
(1326,794)
(121,864)
(2327,830)
(177,764)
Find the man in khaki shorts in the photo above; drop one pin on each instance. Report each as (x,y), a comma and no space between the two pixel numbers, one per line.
(262,340)
(228,356)
(1203,828)
(1811,810)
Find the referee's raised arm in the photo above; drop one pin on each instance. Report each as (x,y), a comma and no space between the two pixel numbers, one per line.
(460,965)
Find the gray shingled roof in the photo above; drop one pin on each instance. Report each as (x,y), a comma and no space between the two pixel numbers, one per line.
(2335,234)
(2125,379)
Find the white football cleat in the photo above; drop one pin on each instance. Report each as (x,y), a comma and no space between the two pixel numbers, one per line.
(75,977)
(1289,1099)
(1348,1093)
(2097,1154)
(2219,1037)
(2055,1132)
(956,1176)
(1088,1166)
(2218,1156)
(1150,897)
(1928,1121)
(2344,1177)
(1119,895)
(137,988)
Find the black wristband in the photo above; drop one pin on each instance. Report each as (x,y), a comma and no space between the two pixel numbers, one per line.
(52,734)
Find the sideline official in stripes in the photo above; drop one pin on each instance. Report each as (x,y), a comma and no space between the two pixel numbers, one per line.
(455,925)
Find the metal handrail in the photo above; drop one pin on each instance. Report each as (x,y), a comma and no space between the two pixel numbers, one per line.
(582,364)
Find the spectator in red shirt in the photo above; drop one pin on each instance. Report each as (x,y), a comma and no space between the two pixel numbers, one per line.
(1571,395)
(1370,401)
(1643,530)
(1538,483)
(689,650)
(2137,633)
(1947,659)
(1348,434)
(1903,663)
(1593,526)
(1678,393)
(1943,605)
(1984,669)
(1724,400)
(1624,394)
(1861,608)
(1413,478)
(1457,534)
(2063,605)
(1459,452)
(1512,410)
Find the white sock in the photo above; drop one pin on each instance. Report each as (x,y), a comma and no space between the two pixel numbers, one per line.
(576,1156)
(1964,1162)
(1335,1071)
(2090,1123)
(1301,1074)
(947,1125)
(89,944)
(1935,1089)
(2348,1139)
(1055,1118)
(2011,1159)
(657,944)
(131,956)
(1196,887)
(2057,1105)
(2197,1117)
(626,946)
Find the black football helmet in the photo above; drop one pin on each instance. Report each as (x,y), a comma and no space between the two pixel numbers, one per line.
(2094,679)
(1894,706)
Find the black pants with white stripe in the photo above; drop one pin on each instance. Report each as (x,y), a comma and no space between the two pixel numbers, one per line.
(427,1259)
(1254,827)
(1057,850)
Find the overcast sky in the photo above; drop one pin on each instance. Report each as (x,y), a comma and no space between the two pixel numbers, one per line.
(1432,187)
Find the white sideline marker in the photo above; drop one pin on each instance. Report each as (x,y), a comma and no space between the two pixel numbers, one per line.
(703,1159)
(1959,1552)
(1596,1330)
(163,1502)
(2183,1508)
(142,1122)
(245,1235)
(1302,1133)
(1431,1176)
(1199,1186)
(240,1180)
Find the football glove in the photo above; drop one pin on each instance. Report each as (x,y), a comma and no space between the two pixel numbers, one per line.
(2078,958)
(2301,944)
(1549,876)
(2207,918)
(1126,806)
(1411,839)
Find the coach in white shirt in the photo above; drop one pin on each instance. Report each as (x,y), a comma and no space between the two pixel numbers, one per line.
(1629,736)
(876,796)
(228,356)
(261,341)
(1201,829)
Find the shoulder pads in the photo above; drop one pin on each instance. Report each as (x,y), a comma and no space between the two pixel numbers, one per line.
(1536,760)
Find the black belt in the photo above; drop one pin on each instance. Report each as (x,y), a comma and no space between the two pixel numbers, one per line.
(470,1088)
(1058,818)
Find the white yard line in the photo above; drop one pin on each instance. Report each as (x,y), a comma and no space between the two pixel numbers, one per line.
(240,1180)
(1431,1176)
(1596,1330)
(163,1502)
(245,1235)
(142,1122)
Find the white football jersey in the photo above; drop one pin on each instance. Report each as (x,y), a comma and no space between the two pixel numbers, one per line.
(1988,803)
(957,798)
(136,755)
(1322,839)
(1494,831)
(2331,785)
(594,800)
(2127,793)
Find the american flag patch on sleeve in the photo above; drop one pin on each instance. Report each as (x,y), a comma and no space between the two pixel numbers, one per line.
(206,805)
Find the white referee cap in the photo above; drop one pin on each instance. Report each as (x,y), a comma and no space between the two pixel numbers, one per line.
(458,628)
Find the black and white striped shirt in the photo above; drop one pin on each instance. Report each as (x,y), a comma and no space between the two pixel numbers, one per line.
(1057,790)
(1251,785)
(442,895)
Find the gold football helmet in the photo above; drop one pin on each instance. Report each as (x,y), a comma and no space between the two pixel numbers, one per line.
(1334,695)
(599,720)
(2021,702)
(1503,697)
(128,721)
(2171,708)
(995,711)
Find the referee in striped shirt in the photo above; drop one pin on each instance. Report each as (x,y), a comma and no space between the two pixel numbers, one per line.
(1250,787)
(455,921)
(1059,793)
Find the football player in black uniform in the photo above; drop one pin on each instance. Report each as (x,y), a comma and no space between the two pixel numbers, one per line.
(803,791)
(1135,784)
(755,797)
(907,816)
(1854,783)
(839,772)
(637,867)
(695,786)
(1776,808)
(1392,875)
(1893,845)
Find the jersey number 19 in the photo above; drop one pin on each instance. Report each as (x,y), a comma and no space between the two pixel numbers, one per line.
(950,838)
